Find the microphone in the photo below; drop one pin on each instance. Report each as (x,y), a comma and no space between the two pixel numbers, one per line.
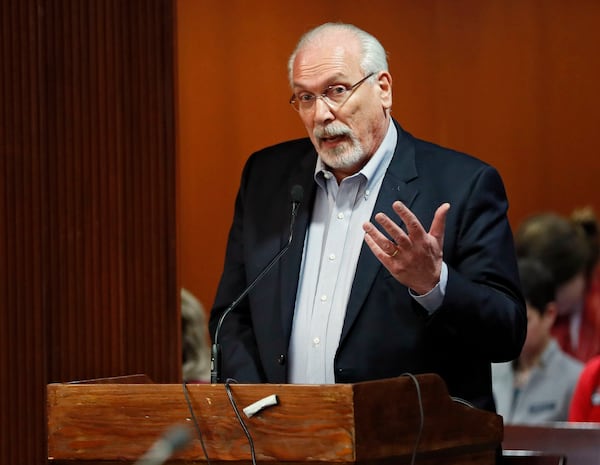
(296,194)
(175,438)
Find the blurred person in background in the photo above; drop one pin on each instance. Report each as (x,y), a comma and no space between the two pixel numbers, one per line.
(563,247)
(589,346)
(194,340)
(536,387)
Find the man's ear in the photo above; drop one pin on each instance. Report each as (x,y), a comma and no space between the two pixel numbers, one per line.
(384,80)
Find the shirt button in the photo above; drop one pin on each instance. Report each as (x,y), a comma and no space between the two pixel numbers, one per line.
(316,341)
(340,216)
(323,298)
(331,256)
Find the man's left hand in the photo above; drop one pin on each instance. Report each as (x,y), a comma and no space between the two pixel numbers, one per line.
(414,257)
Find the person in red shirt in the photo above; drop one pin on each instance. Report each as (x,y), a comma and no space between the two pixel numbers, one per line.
(589,344)
(585,403)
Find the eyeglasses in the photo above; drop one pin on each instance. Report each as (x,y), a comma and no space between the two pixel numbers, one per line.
(334,96)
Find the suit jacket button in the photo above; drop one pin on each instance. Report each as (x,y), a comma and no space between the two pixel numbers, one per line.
(281,359)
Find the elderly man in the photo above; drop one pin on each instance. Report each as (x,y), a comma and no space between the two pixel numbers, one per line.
(401,258)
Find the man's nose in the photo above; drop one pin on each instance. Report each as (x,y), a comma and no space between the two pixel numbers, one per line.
(323,111)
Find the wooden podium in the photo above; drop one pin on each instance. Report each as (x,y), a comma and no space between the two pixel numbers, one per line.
(375,422)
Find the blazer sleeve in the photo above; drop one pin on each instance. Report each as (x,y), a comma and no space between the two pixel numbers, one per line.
(483,306)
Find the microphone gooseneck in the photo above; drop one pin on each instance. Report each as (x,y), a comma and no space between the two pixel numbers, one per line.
(296,194)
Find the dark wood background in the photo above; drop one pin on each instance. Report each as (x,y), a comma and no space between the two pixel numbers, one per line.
(88,284)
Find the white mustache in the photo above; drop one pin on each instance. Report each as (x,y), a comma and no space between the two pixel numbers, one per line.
(333,130)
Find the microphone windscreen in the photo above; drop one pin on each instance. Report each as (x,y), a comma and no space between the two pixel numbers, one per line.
(178,437)
(297,193)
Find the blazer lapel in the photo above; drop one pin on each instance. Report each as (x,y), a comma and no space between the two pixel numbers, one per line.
(395,186)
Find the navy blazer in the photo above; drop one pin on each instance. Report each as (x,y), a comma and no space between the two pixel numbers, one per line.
(386,333)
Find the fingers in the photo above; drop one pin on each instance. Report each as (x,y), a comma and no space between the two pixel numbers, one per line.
(415,228)
(394,231)
(414,257)
(415,233)
(378,242)
(413,225)
(438,225)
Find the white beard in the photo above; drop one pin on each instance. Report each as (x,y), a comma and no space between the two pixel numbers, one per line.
(344,156)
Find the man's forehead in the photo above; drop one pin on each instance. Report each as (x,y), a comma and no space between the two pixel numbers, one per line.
(323,58)
(334,41)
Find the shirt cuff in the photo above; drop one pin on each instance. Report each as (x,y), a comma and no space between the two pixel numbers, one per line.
(434,298)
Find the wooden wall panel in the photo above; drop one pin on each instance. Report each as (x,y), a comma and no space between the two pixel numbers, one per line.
(23,364)
(88,281)
(511,82)
(111,187)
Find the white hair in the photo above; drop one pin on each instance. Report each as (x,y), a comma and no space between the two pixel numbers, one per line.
(374,57)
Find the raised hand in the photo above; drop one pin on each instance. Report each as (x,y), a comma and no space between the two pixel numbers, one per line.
(414,257)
